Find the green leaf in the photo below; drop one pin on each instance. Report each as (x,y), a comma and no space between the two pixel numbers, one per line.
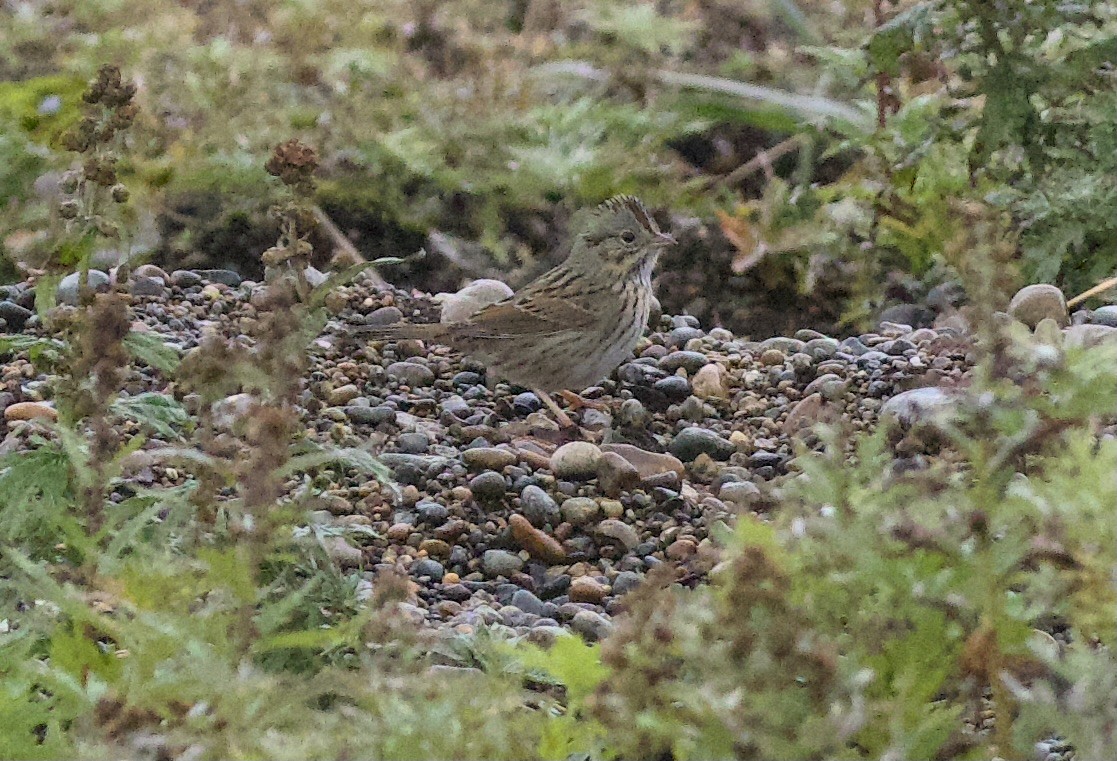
(21,102)
(804,107)
(899,35)
(46,292)
(20,342)
(30,723)
(123,537)
(358,459)
(72,651)
(232,569)
(160,413)
(35,493)
(640,26)
(34,580)
(75,250)
(310,639)
(1009,117)
(574,663)
(152,350)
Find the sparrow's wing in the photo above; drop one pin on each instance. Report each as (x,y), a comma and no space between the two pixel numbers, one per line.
(529,314)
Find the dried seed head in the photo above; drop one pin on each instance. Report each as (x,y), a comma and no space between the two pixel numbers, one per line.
(69,209)
(82,137)
(123,117)
(293,162)
(108,88)
(101,170)
(69,182)
(107,227)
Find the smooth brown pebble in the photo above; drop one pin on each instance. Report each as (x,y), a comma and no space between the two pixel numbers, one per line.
(616,475)
(710,382)
(435,548)
(30,411)
(587,589)
(681,549)
(537,543)
(399,532)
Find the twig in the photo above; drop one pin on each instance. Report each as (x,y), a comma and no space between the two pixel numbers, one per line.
(1104,285)
(761,160)
(346,251)
(449,249)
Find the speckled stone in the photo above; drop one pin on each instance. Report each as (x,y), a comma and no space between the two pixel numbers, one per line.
(579,511)
(693,441)
(500,563)
(1033,303)
(576,460)
(538,506)
(411,373)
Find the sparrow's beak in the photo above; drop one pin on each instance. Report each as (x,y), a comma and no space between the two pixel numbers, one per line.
(665,239)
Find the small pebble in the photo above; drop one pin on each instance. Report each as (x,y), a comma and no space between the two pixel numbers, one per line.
(488,487)
(579,511)
(488,458)
(576,460)
(500,563)
(693,441)
(30,411)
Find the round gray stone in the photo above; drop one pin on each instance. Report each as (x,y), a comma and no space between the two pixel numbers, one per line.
(384,316)
(68,287)
(691,360)
(829,385)
(782,343)
(693,441)
(1033,303)
(222,277)
(1106,315)
(580,510)
(500,563)
(740,493)
(538,507)
(576,460)
(487,487)
(185,279)
(917,405)
(147,286)
(411,373)
(626,581)
(414,443)
(593,626)
(427,567)
(14,314)
(527,602)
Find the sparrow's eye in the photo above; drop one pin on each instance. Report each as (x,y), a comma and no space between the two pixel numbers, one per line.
(628,236)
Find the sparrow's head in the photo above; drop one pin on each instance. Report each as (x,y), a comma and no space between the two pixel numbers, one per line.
(621,235)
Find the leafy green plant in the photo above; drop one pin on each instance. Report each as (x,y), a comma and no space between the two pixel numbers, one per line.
(1023,123)
(883,601)
(900,586)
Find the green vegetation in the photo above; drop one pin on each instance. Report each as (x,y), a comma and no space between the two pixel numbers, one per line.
(474,118)
(870,610)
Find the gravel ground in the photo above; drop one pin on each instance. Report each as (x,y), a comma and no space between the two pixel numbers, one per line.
(500,517)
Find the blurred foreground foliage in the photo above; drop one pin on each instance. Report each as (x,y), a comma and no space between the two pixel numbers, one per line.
(898,598)
(805,132)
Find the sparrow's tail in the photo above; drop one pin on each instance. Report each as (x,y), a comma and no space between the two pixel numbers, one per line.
(401,330)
